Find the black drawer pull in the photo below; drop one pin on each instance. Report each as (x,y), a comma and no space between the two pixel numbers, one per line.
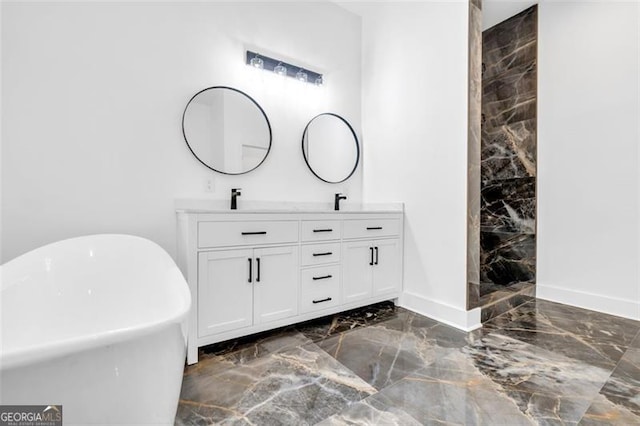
(324,277)
(373,228)
(327,253)
(323,230)
(371,261)
(322,300)
(255,233)
(250,270)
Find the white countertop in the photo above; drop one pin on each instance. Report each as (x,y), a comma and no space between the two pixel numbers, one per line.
(193,205)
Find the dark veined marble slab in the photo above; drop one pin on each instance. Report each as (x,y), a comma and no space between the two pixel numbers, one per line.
(386,352)
(603,412)
(589,337)
(298,386)
(517,85)
(508,163)
(509,151)
(499,302)
(371,411)
(636,342)
(534,365)
(331,325)
(510,44)
(509,206)
(510,111)
(451,391)
(219,357)
(623,387)
(524,367)
(507,258)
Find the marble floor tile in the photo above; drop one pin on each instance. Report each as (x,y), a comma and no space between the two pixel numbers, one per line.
(371,411)
(540,402)
(438,395)
(541,363)
(636,342)
(332,325)
(520,366)
(623,387)
(587,336)
(220,357)
(298,386)
(603,412)
(386,352)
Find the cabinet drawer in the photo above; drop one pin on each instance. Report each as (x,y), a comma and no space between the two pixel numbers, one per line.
(319,230)
(371,228)
(318,254)
(319,288)
(224,234)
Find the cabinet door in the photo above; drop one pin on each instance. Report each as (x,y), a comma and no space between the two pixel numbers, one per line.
(225,292)
(356,270)
(387,268)
(275,283)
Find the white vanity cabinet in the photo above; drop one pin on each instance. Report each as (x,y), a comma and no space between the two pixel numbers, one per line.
(242,287)
(372,263)
(251,271)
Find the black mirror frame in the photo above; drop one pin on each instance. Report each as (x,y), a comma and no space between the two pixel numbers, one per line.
(355,138)
(259,108)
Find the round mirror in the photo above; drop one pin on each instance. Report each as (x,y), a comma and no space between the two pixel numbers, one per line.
(330,148)
(226,130)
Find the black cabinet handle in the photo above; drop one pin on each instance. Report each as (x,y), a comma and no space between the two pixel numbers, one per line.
(324,277)
(323,230)
(376,262)
(258,265)
(250,270)
(322,300)
(328,253)
(371,250)
(373,228)
(255,233)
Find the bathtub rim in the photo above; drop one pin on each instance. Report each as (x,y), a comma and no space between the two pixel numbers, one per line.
(36,353)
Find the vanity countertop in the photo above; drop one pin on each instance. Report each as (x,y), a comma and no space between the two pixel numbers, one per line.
(222,206)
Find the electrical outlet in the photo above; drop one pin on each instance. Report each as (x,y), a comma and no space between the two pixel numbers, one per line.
(209,185)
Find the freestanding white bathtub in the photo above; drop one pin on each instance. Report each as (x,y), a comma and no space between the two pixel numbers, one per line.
(97,324)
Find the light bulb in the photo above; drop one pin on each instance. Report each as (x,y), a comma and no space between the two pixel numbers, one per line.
(301,76)
(319,81)
(280,69)
(257,62)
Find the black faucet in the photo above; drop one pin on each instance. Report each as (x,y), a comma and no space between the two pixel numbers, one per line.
(338,197)
(235,193)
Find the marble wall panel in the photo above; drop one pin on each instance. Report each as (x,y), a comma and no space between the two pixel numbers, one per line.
(474,153)
(507,258)
(509,206)
(510,44)
(508,158)
(509,151)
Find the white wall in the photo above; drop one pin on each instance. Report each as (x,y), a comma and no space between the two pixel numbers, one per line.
(93,96)
(415,134)
(588,182)
(496,11)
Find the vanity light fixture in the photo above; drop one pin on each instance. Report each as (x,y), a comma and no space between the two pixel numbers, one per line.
(284,69)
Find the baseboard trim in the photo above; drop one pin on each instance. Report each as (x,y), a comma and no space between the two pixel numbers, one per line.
(595,302)
(442,312)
